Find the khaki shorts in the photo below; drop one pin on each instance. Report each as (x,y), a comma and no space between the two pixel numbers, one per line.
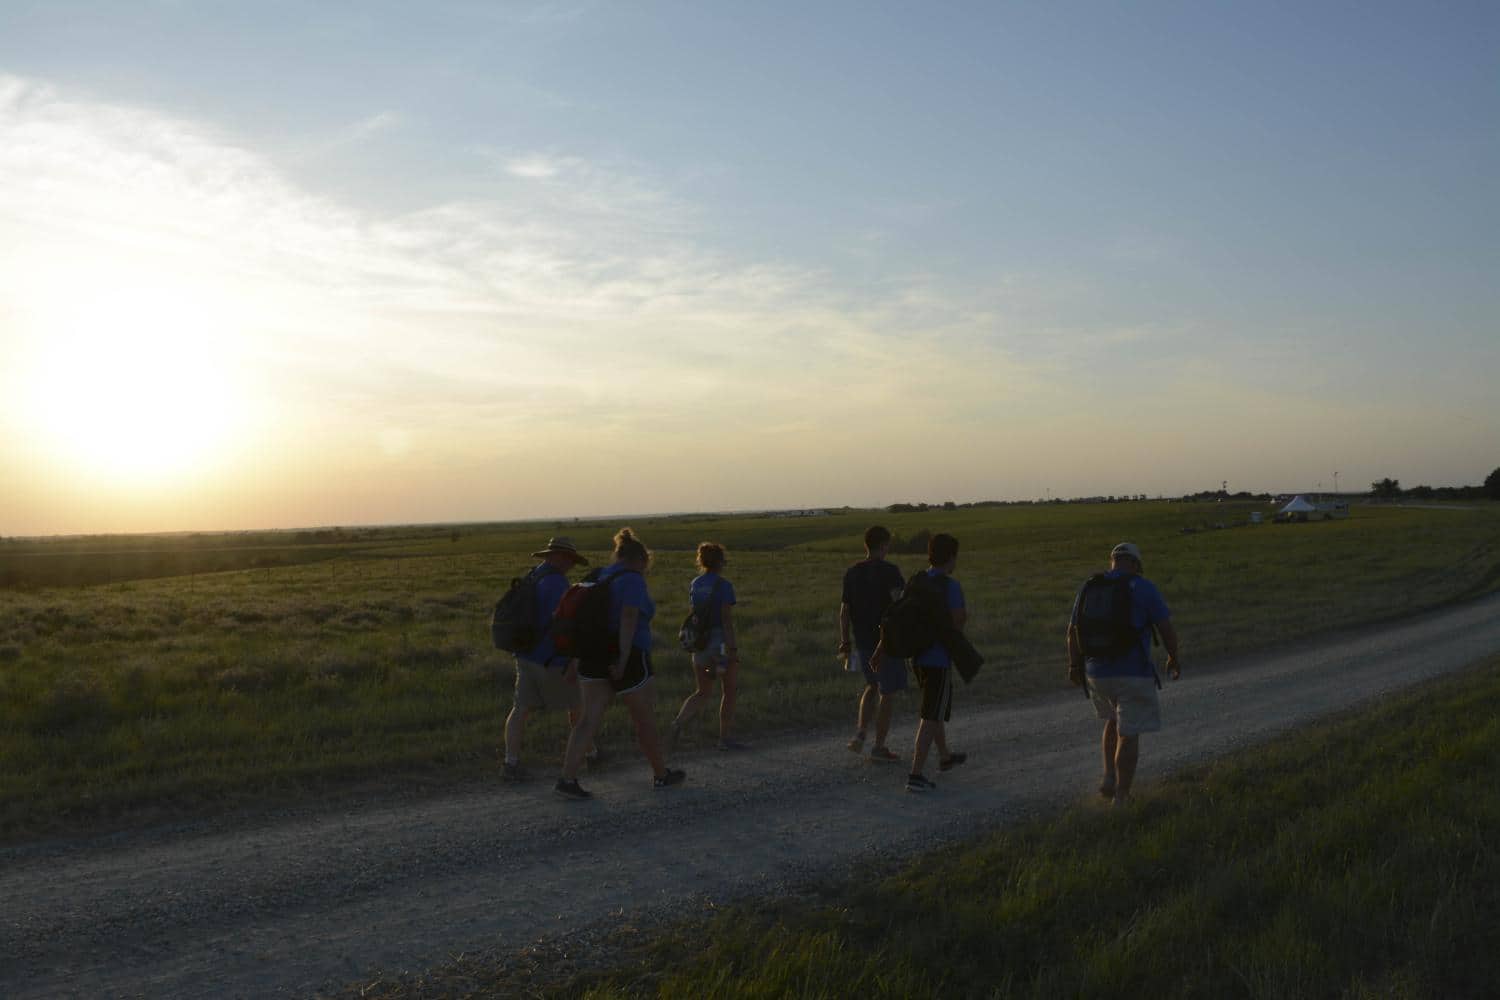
(1131,701)
(543,687)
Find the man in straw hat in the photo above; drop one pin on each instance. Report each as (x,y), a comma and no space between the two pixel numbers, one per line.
(1109,654)
(543,678)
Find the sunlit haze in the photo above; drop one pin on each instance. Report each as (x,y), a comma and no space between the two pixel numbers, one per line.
(291,264)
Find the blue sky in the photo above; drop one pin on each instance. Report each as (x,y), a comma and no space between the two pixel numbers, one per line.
(464,260)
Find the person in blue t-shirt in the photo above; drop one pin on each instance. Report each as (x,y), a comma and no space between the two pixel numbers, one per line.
(934,668)
(870,586)
(627,673)
(721,657)
(543,679)
(1123,686)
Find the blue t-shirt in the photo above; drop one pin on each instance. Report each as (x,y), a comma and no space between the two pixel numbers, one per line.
(936,655)
(628,589)
(550,587)
(869,588)
(1146,609)
(701,591)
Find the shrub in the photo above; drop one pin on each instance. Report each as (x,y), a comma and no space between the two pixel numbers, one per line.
(75,705)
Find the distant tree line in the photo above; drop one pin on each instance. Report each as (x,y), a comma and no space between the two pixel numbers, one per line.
(1391,489)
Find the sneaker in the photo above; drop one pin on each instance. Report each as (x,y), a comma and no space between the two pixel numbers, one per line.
(918,783)
(884,755)
(513,772)
(951,761)
(669,779)
(570,790)
(733,745)
(857,744)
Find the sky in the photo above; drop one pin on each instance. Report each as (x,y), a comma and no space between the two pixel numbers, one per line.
(282,264)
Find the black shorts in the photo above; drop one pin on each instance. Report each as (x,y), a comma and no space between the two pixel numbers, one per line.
(937,692)
(637,671)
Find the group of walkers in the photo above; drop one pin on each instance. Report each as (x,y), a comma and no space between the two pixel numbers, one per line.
(1115,619)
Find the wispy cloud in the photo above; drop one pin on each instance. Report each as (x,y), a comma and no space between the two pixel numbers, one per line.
(466,322)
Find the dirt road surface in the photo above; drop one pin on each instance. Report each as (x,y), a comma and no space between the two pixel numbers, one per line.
(310,902)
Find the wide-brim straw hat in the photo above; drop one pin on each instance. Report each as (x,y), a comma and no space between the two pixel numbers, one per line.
(561,544)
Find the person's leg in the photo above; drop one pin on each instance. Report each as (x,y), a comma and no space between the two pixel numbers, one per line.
(515,723)
(923,744)
(940,738)
(596,696)
(729,682)
(1126,754)
(868,700)
(641,704)
(1108,746)
(886,705)
(591,751)
(694,702)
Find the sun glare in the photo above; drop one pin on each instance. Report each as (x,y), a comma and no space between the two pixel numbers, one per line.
(132,386)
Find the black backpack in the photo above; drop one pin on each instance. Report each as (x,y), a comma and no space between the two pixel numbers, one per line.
(580,625)
(914,621)
(513,622)
(1104,627)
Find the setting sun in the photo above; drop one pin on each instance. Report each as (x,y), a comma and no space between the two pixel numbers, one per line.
(131,386)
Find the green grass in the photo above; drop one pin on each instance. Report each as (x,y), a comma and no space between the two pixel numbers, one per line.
(1354,859)
(195,693)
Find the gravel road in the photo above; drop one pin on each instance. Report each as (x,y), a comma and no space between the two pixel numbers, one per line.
(306,903)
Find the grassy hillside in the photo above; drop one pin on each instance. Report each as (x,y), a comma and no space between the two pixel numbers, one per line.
(193,692)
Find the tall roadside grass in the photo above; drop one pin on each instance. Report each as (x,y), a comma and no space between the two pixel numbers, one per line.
(196,692)
(1357,859)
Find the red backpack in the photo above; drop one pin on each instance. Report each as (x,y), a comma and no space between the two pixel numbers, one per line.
(580,625)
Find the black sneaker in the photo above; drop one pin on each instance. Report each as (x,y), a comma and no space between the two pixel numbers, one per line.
(669,779)
(570,790)
(918,783)
(951,761)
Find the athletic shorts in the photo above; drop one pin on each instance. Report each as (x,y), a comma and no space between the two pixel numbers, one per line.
(890,678)
(543,687)
(711,658)
(1131,701)
(637,671)
(937,692)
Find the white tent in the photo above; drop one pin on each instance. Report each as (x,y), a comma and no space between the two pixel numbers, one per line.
(1298,505)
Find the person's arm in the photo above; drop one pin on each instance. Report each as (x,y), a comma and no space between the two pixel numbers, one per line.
(1076,674)
(726,618)
(846,626)
(956,607)
(629,615)
(1168,635)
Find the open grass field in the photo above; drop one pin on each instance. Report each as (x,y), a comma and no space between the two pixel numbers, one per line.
(1353,859)
(190,694)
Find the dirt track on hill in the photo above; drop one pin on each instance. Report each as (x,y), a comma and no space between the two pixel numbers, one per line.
(311,903)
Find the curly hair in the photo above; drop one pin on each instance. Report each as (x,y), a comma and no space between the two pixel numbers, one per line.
(710,556)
